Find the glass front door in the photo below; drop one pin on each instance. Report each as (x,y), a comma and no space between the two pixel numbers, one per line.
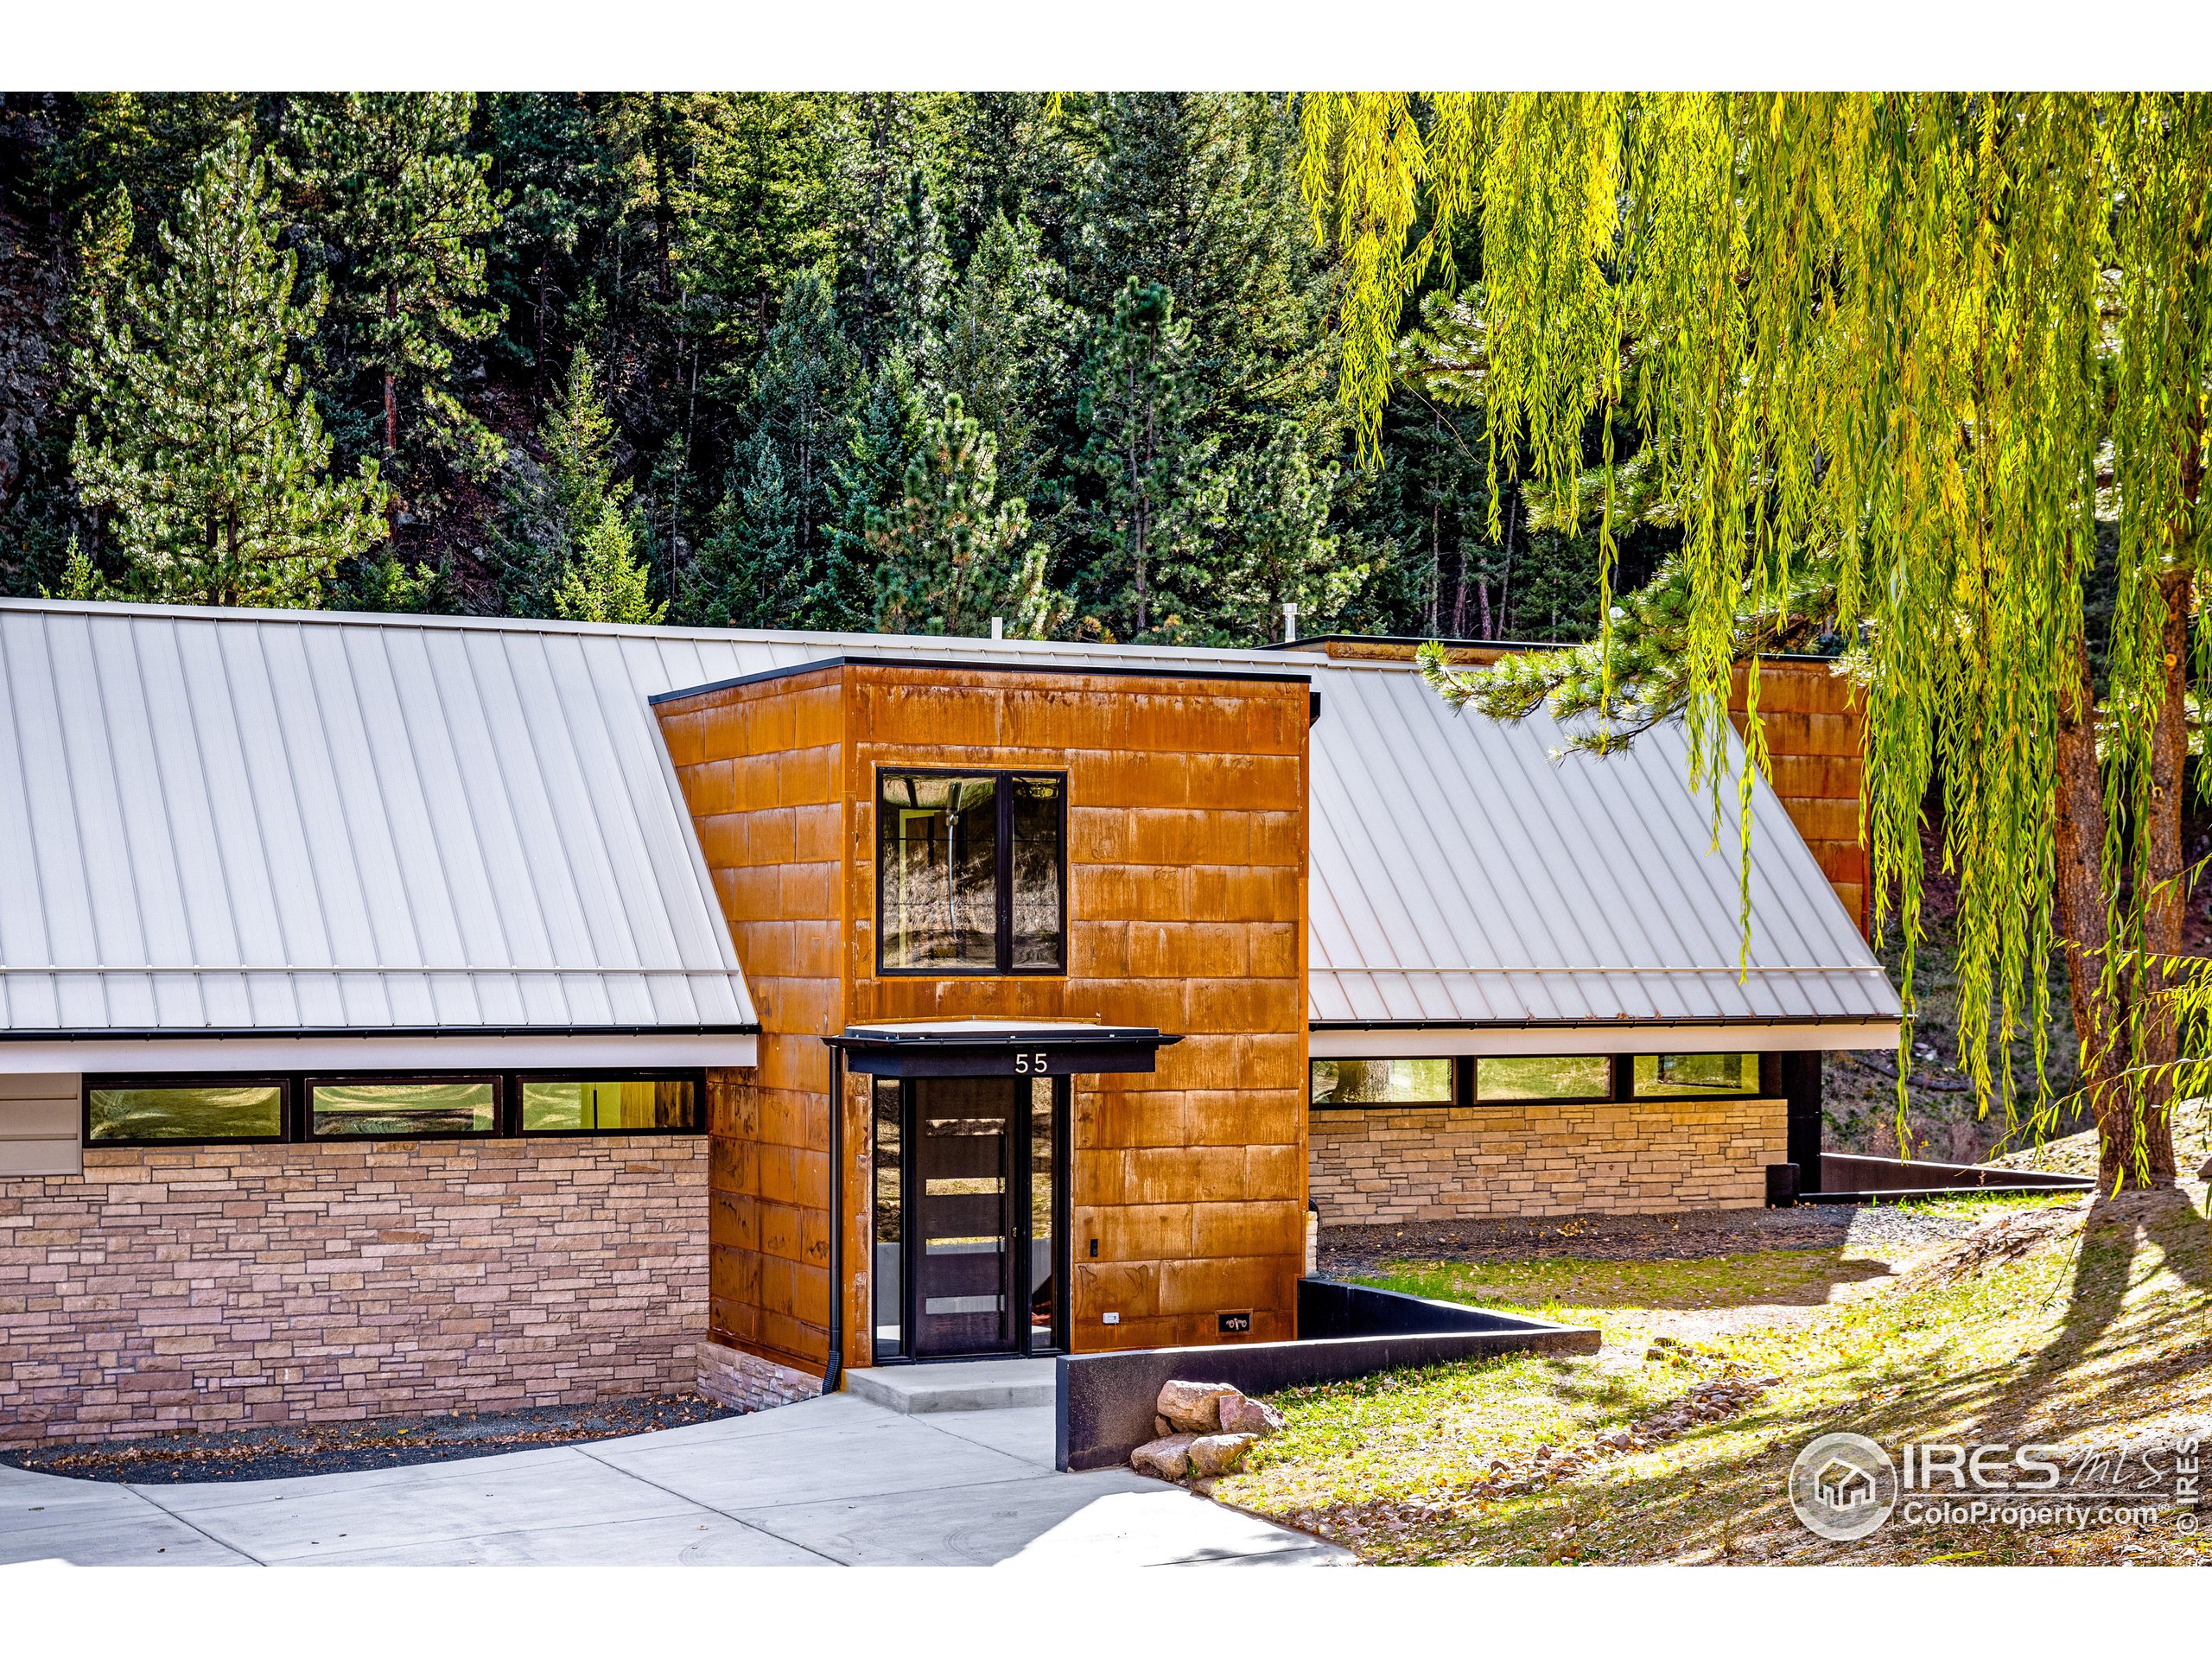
(969,1177)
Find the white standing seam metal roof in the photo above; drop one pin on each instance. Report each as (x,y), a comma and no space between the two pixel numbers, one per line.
(263,822)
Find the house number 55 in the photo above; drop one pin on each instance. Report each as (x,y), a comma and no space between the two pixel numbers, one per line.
(1027,1065)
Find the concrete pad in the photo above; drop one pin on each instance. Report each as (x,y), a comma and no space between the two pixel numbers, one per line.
(142,1536)
(1158,1525)
(960,1526)
(1024,1432)
(684,1539)
(836,1478)
(856,1458)
(825,1411)
(958,1385)
(33,1502)
(205,1497)
(521,1492)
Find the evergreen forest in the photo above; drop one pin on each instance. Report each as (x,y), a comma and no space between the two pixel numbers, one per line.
(837,361)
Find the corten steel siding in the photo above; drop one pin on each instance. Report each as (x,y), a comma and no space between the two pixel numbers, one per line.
(1187,910)
(759,768)
(225,1287)
(1816,745)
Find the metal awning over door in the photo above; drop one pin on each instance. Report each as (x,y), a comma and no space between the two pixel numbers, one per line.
(998,1048)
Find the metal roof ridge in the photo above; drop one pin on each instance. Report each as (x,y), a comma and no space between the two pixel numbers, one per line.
(438,621)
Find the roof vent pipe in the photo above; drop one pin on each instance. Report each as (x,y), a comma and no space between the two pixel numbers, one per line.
(1289,621)
(998,627)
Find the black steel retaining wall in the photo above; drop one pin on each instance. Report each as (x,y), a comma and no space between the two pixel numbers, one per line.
(1105,1404)
(1847,1177)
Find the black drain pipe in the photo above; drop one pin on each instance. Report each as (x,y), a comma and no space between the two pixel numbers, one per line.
(834,1369)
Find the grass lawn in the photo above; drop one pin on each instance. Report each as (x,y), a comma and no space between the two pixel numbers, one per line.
(1716,1371)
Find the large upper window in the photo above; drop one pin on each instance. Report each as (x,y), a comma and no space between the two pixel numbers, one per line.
(230,1110)
(1697,1074)
(971,873)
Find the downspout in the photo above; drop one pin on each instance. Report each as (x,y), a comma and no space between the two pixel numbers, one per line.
(833,1368)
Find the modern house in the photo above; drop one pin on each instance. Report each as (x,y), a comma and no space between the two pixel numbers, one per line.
(402,1013)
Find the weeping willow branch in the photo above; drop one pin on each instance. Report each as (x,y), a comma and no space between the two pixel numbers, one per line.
(1937,337)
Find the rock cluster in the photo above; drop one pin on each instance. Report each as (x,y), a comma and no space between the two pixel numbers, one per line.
(1202,1430)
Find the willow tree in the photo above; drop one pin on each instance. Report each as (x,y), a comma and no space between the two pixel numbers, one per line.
(1953,348)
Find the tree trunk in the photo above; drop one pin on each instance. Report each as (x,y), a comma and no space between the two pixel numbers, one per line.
(390,380)
(2078,892)
(2165,900)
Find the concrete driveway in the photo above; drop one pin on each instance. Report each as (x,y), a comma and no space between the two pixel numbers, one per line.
(829,1481)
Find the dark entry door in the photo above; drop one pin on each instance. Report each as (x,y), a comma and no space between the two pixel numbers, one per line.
(965,1220)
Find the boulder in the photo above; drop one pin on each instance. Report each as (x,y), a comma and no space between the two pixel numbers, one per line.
(1242,1416)
(1194,1407)
(1169,1457)
(1161,1428)
(1219,1454)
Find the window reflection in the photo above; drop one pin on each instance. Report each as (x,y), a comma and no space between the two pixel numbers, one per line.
(938,841)
(1369,1082)
(1697,1074)
(452,1106)
(1544,1077)
(889,1219)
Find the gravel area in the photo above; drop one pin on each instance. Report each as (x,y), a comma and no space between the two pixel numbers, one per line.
(378,1443)
(1350,1250)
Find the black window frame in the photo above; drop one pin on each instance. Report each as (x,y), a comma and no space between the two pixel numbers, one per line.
(1458,1098)
(297,1109)
(1002,875)
(309,1081)
(1612,1094)
(287,1099)
(514,1082)
(1621,1077)
(1630,1091)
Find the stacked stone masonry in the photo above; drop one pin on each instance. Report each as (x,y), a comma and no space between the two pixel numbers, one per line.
(730,1376)
(1375,1164)
(225,1288)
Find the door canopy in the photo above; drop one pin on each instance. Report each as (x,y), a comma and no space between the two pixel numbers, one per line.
(998,1048)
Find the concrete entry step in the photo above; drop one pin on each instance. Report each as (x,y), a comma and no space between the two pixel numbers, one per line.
(955,1385)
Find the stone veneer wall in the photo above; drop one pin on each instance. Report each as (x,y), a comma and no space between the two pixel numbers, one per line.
(730,1376)
(1384,1164)
(228,1286)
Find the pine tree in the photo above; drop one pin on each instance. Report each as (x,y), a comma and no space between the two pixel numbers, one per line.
(552,508)
(603,581)
(553,158)
(799,430)
(951,555)
(754,211)
(1154,496)
(1280,549)
(1008,344)
(749,572)
(403,205)
(208,451)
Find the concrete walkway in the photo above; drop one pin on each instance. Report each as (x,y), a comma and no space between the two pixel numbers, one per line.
(834,1480)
